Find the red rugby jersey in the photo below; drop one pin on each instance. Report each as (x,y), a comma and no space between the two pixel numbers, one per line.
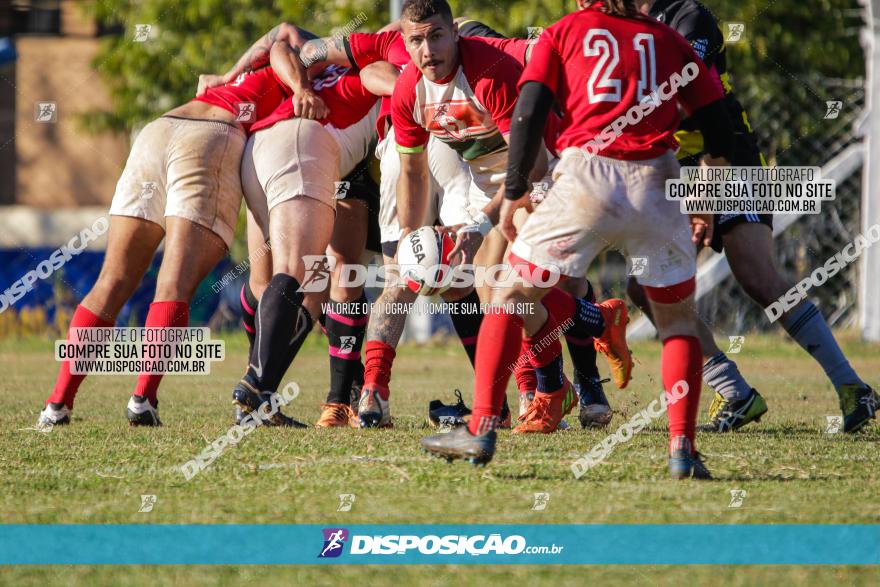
(515,47)
(604,67)
(366,48)
(343,93)
(251,96)
(470,111)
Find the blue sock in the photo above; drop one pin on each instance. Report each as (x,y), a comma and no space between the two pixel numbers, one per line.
(722,375)
(808,328)
(550,376)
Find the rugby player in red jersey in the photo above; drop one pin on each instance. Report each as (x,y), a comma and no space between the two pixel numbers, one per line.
(356,227)
(181,183)
(451,192)
(462,92)
(363,52)
(290,170)
(747,240)
(601,65)
(595,411)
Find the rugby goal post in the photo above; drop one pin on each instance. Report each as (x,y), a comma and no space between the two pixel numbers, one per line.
(869,270)
(711,273)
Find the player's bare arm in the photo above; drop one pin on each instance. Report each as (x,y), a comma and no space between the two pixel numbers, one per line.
(379,78)
(286,63)
(328,50)
(412,190)
(257,55)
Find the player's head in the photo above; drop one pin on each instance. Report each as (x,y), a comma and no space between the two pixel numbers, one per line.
(431,36)
(619,7)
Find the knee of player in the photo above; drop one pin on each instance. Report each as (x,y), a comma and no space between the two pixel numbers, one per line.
(675,320)
(762,289)
(339,293)
(575,286)
(517,293)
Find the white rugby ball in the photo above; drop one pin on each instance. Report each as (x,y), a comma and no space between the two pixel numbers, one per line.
(423,257)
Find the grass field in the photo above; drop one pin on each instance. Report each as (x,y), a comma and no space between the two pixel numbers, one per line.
(95,470)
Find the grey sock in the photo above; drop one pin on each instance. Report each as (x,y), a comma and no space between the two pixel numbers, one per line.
(809,329)
(722,375)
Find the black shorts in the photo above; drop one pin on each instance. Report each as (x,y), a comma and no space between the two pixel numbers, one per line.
(746,153)
(364,188)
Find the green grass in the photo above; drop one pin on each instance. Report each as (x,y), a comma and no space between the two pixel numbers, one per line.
(95,470)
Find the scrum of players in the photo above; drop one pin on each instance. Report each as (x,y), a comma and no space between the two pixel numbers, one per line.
(462,123)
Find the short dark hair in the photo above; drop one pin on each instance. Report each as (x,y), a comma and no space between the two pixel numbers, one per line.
(420,10)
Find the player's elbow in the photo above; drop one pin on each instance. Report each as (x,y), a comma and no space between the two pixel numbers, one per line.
(286,31)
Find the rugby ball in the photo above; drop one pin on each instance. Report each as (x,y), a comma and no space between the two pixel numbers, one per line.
(423,258)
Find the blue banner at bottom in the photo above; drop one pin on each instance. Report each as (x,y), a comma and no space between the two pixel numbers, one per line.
(486,544)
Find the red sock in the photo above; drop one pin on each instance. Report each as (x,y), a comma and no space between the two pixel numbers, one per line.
(161,315)
(498,348)
(561,305)
(377,367)
(526,380)
(66,384)
(682,361)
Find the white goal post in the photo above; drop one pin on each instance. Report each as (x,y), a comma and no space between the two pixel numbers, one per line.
(869,270)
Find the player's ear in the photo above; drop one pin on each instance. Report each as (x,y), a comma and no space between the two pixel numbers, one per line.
(455,31)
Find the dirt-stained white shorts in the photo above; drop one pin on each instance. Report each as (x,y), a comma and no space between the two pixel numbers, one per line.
(300,158)
(597,203)
(185,168)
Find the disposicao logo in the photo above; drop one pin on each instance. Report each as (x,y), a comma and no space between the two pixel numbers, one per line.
(334,541)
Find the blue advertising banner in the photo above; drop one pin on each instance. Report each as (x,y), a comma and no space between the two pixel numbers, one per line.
(482,544)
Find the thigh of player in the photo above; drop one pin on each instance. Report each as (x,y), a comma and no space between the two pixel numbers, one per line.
(296,163)
(141,189)
(204,184)
(657,237)
(204,196)
(582,214)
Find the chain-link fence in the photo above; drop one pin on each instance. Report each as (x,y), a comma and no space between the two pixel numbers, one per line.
(790,121)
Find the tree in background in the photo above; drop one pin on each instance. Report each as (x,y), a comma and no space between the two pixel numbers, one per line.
(786,44)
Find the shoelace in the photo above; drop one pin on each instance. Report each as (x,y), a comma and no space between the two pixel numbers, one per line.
(715,406)
(539,408)
(339,411)
(460,402)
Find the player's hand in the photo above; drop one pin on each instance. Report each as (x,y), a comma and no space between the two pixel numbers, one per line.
(467,242)
(702,227)
(209,80)
(508,208)
(710,161)
(307,104)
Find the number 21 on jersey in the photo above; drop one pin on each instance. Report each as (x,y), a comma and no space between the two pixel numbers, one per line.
(601,86)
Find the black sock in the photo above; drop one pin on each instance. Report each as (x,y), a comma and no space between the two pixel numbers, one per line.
(550,376)
(248,302)
(346,325)
(583,359)
(466,318)
(282,326)
(304,325)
